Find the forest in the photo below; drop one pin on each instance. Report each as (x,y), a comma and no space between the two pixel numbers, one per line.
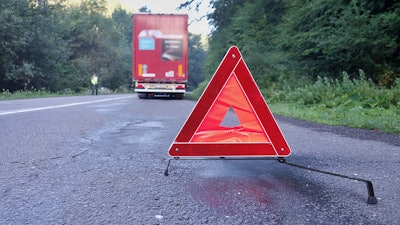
(334,62)
(53,46)
(297,41)
(48,44)
(329,61)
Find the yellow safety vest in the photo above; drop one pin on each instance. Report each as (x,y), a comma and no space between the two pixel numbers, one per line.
(94,80)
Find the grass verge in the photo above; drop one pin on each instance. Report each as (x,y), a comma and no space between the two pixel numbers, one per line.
(367,118)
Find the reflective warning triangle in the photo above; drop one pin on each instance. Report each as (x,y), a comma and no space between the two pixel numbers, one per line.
(231,87)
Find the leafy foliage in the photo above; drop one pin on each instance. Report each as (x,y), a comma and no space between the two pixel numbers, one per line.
(287,41)
(30,49)
(56,47)
(197,56)
(330,61)
(98,44)
(333,93)
(328,37)
(352,102)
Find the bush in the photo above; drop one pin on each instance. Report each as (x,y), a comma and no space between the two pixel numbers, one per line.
(27,93)
(355,103)
(333,93)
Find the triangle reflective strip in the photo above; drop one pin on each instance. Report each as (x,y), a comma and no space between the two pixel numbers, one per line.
(232,86)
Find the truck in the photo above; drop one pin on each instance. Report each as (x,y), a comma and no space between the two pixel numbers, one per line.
(160,55)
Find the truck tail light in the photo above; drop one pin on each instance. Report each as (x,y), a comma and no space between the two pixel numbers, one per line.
(140,86)
(180,87)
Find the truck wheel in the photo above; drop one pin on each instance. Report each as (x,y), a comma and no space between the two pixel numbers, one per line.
(178,96)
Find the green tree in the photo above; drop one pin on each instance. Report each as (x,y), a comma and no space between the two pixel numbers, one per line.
(328,37)
(252,26)
(253,29)
(15,37)
(120,38)
(289,41)
(32,52)
(98,43)
(219,42)
(47,50)
(197,56)
(144,9)
(56,47)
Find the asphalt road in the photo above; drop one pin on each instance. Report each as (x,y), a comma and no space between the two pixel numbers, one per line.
(101,160)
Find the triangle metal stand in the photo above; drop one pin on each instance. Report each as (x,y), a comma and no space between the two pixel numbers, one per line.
(371,195)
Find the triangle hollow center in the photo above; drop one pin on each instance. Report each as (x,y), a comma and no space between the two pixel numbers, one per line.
(231,118)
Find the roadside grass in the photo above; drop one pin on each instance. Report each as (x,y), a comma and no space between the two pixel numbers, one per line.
(354,103)
(42,93)
(21,94)
(383,120)
(342,102)
(345,102)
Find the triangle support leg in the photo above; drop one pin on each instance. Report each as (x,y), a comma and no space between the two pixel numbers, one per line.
(371,196)
(166,172)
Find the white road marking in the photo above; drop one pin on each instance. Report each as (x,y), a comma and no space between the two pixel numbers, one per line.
(2,113)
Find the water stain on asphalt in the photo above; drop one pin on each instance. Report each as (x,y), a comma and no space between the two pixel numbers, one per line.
(148,124)
(236,187)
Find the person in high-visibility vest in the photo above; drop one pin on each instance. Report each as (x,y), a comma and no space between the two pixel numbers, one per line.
(94,81)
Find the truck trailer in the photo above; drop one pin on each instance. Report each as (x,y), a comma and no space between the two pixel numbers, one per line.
(160,54)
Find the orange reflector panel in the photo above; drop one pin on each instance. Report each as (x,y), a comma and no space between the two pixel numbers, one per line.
(180,70)
(140,70)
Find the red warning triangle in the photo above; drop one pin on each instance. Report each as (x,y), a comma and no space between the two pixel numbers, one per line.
(231,87)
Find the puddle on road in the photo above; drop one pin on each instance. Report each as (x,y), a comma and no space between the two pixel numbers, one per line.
(130,132)
(149,124)
(236,187)
(105,110)
(235,196)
